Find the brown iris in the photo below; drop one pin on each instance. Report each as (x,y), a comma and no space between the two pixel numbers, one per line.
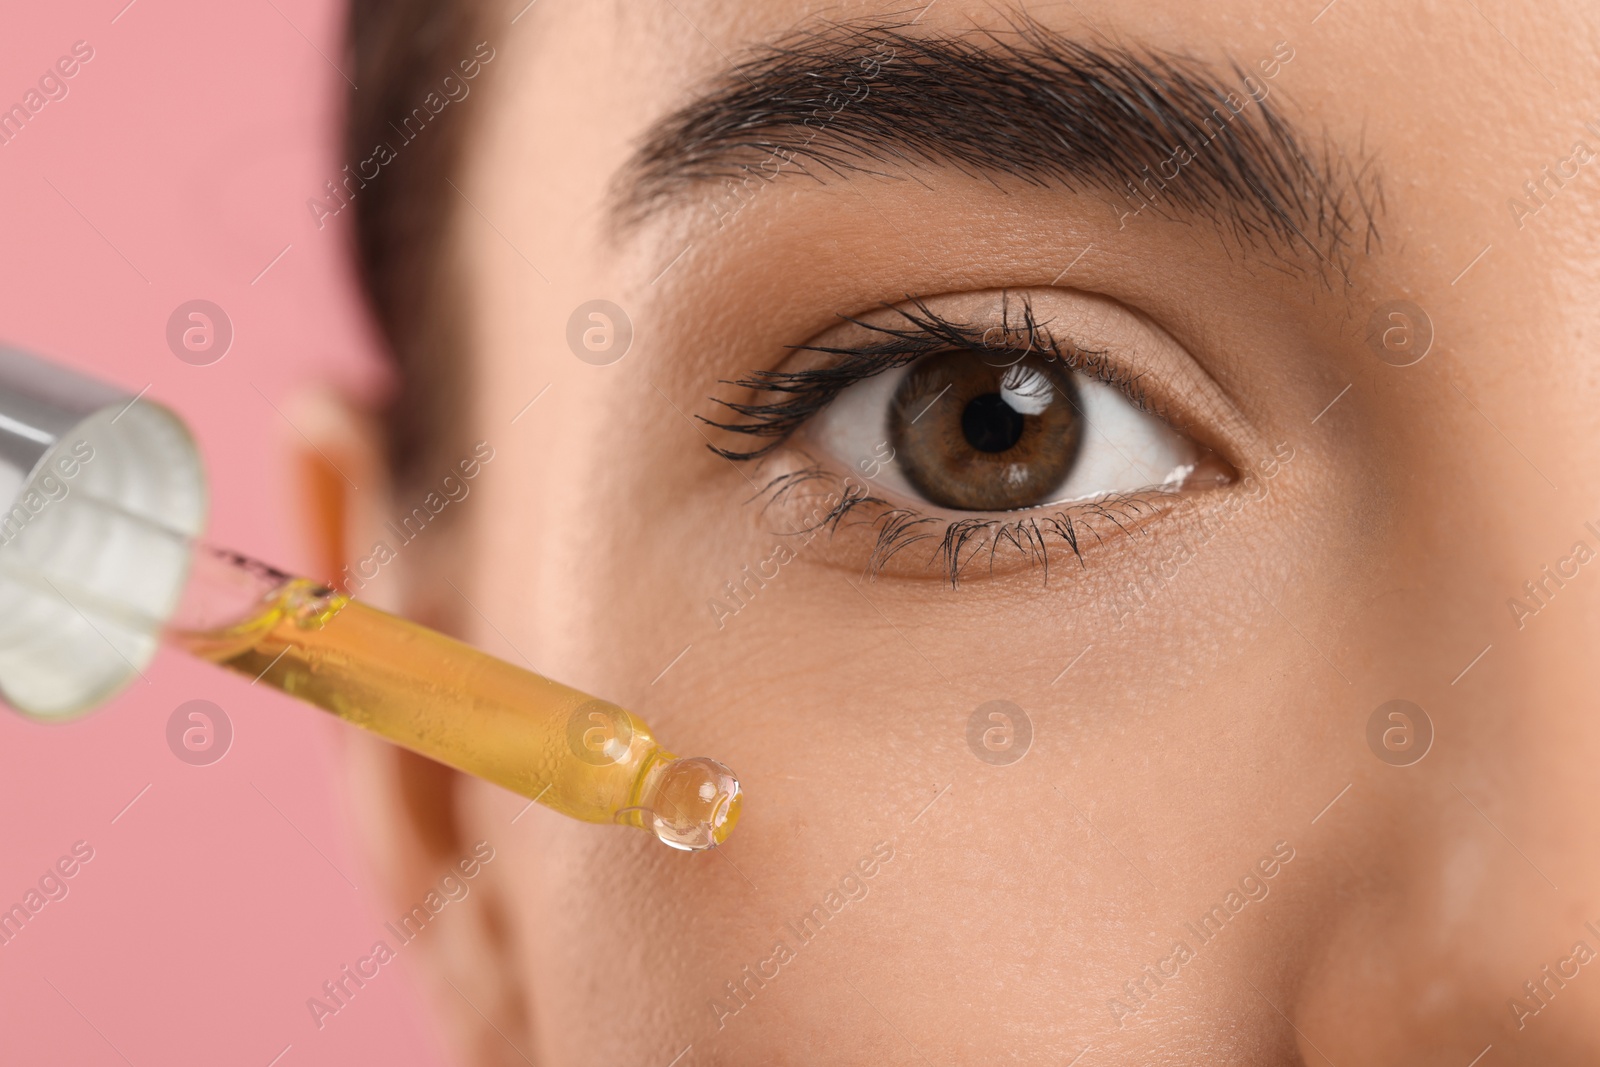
(976,437)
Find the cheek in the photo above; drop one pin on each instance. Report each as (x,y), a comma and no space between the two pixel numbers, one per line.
(844,731)
(597,911)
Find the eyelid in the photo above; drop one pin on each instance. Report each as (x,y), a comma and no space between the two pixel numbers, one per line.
(956,540)
(1097,336)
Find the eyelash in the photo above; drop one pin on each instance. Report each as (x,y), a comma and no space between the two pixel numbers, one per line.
(899,527)
(928,333)
(804,393)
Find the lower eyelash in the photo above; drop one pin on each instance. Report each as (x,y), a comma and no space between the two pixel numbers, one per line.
(962,540)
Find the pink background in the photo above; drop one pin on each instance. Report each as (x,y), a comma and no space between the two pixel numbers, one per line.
(190,142)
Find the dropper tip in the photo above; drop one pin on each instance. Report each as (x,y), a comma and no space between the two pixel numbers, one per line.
(693,805)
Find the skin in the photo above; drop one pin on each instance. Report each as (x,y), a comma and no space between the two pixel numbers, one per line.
(1190,738)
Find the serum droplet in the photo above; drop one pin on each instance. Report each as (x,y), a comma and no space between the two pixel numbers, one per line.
(692,804)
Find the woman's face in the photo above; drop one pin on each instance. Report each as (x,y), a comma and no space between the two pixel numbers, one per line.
(1241,398)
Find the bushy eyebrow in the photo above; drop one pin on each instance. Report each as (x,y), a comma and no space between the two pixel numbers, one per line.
(1157,131)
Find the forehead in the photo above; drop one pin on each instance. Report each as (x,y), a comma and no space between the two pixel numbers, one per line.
(1376,83)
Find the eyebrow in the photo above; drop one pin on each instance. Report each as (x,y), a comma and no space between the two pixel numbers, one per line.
(1158,131)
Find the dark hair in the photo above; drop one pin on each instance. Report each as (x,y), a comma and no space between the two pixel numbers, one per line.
(401,49)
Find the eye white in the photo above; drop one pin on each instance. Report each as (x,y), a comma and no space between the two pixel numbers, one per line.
(1122,449)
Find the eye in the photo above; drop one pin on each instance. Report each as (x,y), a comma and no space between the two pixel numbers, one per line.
(1000,430)
(989,424)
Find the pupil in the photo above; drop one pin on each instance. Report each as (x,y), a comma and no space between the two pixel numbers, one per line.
(990,424)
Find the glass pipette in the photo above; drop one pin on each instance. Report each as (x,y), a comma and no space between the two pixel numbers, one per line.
(571,752)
